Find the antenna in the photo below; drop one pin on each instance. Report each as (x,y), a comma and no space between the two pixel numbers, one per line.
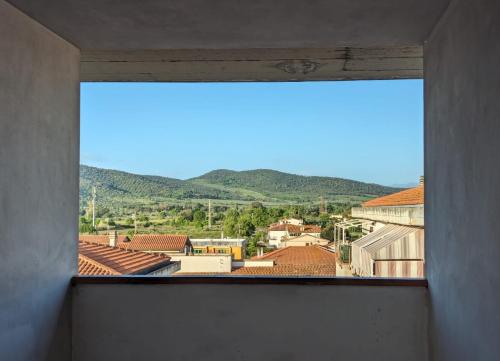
(135,222)
(209,214)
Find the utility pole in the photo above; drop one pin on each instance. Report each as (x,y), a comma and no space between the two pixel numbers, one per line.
(94,194)
(135,223)
(209,214)
(322,205)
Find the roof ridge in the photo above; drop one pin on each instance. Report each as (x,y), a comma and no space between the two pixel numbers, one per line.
(276,251)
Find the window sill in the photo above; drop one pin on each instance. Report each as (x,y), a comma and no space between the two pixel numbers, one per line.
(255,280)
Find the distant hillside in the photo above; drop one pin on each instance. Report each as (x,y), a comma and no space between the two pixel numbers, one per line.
(121,188)
(284,186)
(126,188)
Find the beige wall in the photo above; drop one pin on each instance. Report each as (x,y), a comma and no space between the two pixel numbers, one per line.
(214,263)
(305,240)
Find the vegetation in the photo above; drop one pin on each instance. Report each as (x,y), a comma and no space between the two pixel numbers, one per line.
(116,189)
(243,204)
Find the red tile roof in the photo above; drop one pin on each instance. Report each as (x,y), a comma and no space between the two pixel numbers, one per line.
(143,242)
(408,197)
(95,259)
(158,242)
(301,261)
(310,228)
(101,238)
(292,228)
(289,270)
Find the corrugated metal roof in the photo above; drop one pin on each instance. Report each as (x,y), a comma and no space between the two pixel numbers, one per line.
(374,236)
(383,237)
(392,236)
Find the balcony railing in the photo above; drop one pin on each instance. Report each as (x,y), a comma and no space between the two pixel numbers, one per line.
(409,215)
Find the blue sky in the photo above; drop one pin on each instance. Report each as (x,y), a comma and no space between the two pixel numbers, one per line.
(370,131)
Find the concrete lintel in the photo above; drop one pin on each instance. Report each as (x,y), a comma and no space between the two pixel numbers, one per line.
(344,63)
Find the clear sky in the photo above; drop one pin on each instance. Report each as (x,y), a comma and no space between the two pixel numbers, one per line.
(364,130)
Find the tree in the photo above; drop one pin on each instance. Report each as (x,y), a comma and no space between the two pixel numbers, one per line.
(324,219)
(328,232)
(256,205)
(251,249)
(259,216)
(186,215)
(231,223)
(86,226)
(199,218)
(245,226)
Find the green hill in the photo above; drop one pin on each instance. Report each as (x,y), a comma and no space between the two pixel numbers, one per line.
(290,187)
(117,188)
(122,188)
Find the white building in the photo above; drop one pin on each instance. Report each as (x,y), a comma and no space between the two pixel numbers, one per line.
(305,240)
(394,243)
(295,221)
(278,233)
(206,263)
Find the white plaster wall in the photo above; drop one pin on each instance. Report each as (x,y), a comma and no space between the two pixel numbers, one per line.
(462,147)
(39,147)
(249,322)
(410,216)
(216,263)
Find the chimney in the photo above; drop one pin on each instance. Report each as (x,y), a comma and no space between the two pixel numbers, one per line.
(421,180)
(113,239)
(260,248)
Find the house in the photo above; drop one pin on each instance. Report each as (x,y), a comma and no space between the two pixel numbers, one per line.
(304,240)
(278,232)
(113,239)
(295,221)
(95,259)
(233,246)
(171,244)
(203,264)
(394,242)
(292,261)
(391,251)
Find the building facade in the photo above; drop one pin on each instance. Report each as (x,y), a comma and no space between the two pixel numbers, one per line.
(232,246)
(394,240)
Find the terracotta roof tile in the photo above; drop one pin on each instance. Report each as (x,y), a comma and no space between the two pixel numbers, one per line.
(102,239)
(158,242)
(408,197)
(289,270)
(96,259)
(301,261)
(299,255)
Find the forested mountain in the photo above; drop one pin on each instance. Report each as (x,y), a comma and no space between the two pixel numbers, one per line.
(126,188)
(291,187)
(121,188)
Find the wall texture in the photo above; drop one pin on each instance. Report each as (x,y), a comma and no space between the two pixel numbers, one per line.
(39,138)
(462,132)
(249,322)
